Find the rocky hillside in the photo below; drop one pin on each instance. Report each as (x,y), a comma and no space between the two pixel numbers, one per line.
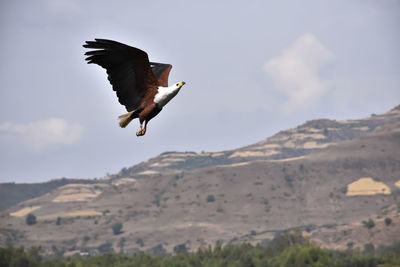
(300,141)
(338,181)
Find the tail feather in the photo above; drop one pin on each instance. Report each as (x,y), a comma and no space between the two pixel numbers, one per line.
(125,119)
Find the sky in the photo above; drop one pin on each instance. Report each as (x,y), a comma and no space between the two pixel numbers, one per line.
(252,69)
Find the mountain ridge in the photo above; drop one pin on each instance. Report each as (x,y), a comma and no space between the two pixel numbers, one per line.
(304,139)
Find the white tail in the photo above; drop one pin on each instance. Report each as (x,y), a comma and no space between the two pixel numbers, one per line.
(125,119)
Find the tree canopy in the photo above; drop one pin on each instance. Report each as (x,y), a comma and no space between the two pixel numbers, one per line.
(287,250)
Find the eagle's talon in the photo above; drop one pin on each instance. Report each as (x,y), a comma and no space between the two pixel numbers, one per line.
(141,132)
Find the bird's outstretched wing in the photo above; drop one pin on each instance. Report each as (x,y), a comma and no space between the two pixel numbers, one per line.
(128,69)
(161,71)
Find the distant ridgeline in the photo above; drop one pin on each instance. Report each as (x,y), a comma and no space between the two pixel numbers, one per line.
(12,193)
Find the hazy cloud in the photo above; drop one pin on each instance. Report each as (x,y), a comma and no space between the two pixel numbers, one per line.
(41,135)
(296,73)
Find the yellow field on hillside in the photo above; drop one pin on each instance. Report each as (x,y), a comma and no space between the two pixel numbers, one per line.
(157,164)
(237,164)
(24,211)
(250,153)
(367,186)
(313,144)
(173,160)
(148,172)
(270,146)
(288,159)
(76,192)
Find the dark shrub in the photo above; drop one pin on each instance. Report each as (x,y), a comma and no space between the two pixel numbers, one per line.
(30,219)
(210,198)
(369,224)
(388,221)
(117,227)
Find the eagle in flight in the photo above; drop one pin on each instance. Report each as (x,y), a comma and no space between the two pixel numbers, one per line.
(141,85)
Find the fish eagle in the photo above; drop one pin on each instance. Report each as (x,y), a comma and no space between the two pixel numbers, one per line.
(141,85)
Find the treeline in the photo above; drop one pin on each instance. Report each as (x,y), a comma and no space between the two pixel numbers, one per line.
(289,250)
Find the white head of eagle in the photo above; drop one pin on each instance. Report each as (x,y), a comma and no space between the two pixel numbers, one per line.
(141,85)
(165,94)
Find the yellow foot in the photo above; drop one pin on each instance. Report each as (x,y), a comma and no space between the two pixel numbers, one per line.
(141,132)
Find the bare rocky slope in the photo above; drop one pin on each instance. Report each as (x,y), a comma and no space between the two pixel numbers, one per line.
(337,181)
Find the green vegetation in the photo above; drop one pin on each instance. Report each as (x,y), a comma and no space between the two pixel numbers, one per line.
(369,224)
(30,219)
(106,247)
(289,249)
(117,227)
(140,242)
(210,198)
(388,221)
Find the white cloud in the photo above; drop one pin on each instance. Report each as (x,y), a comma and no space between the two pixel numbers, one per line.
(296,73)
(42,135)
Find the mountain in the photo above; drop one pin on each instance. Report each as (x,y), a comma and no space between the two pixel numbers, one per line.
(305,139)
(337,181)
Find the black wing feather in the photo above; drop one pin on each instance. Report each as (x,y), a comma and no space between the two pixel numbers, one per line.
(128,69)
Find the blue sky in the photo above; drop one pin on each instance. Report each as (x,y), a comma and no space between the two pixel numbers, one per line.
(251,70)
